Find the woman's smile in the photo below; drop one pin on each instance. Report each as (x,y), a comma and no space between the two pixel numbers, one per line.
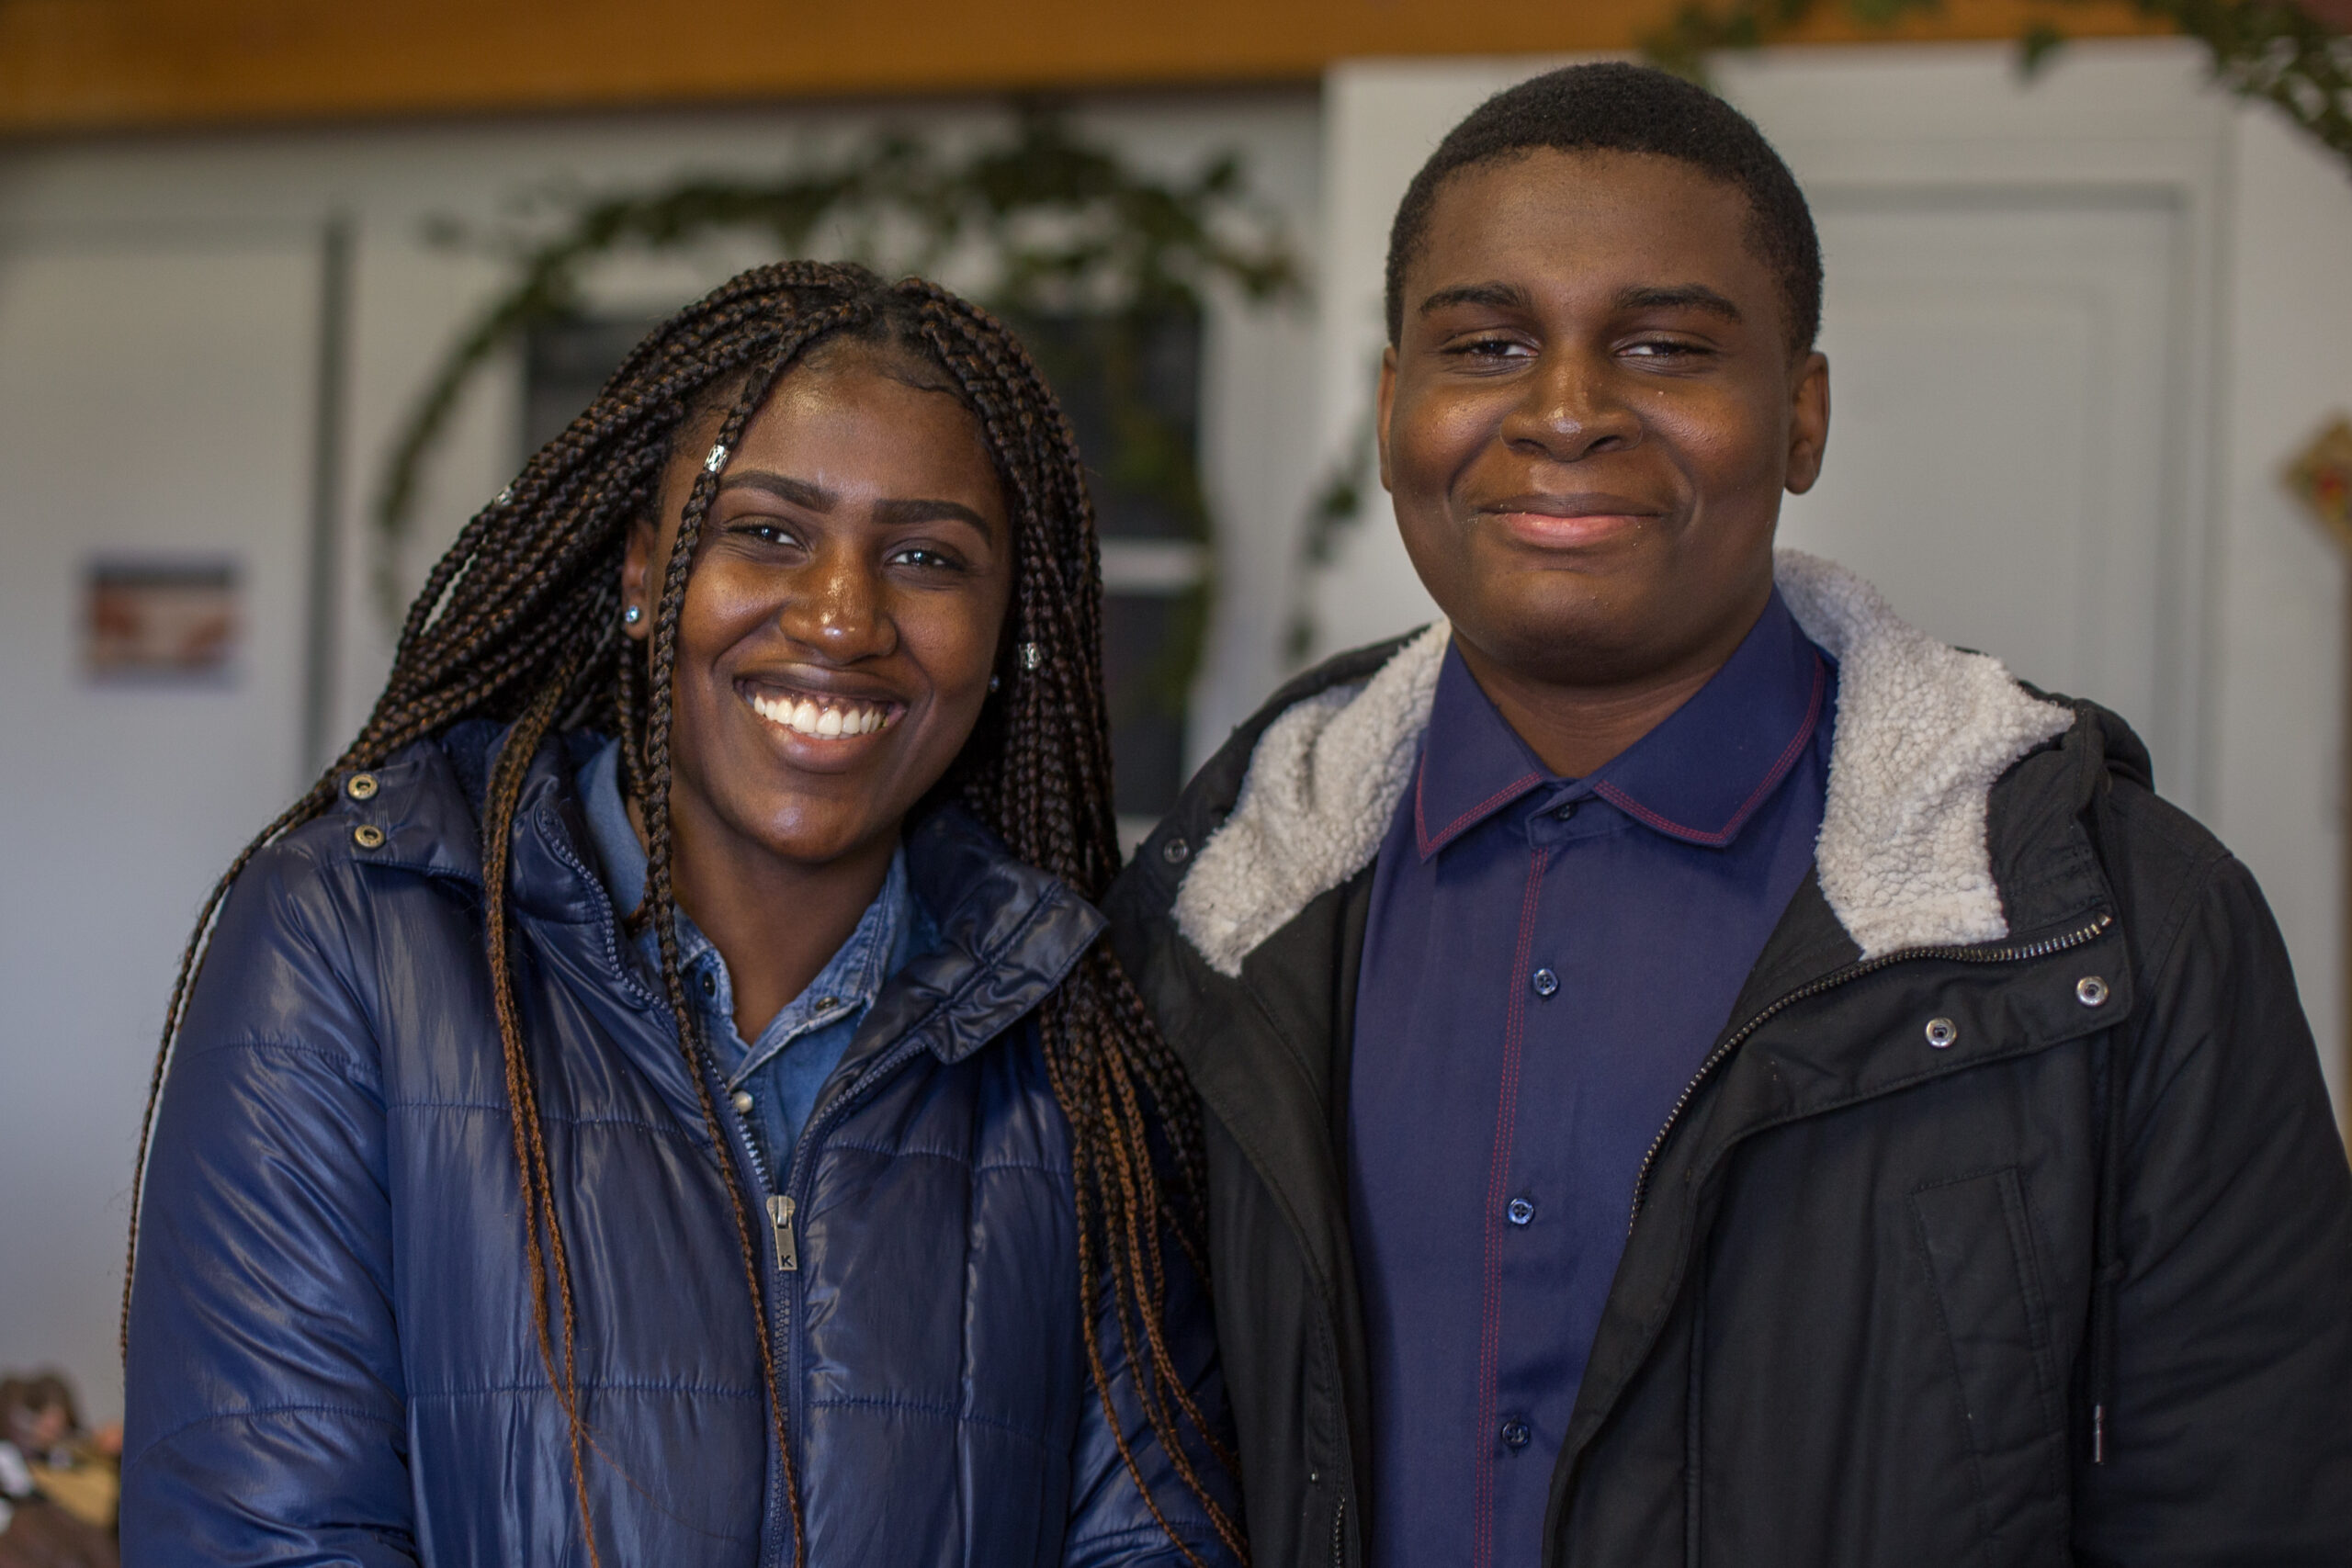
(822,715)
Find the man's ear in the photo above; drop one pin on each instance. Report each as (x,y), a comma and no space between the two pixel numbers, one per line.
(1808,421)
(636,576)
(1388,401)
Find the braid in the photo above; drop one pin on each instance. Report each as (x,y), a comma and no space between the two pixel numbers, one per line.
(519,623)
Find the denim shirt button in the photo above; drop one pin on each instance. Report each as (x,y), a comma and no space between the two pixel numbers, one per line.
(710,984)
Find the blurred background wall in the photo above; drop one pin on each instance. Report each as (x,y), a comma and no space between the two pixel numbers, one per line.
(2077,329)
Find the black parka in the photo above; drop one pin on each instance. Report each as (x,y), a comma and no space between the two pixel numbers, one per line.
(2076,1286)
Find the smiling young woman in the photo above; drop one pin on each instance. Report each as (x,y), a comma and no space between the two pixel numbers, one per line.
(658,1097)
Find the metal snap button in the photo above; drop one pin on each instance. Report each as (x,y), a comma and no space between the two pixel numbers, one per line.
(368,836)
(710,984)
(1517,1434)
(744,1101)
(2091,991)
(1175,851)
(360,786)
(1545,982)
(1942,1032)
(827,1004)
(1520,1210)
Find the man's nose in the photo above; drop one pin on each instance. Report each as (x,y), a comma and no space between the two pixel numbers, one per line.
(1572,409)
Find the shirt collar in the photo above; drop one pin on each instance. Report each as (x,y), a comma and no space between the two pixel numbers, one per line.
(850,980)
(1699,776)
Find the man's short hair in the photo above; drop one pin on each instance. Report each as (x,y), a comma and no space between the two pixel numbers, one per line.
(1618,108)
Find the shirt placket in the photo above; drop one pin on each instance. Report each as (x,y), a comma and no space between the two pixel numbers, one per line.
(1506,1429)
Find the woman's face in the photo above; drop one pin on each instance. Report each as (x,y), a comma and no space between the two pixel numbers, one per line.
(842,616)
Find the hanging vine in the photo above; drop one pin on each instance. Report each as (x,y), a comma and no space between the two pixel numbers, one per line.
(1044,223)
(2291,54)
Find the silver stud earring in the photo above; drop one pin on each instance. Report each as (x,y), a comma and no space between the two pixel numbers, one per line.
(631,616)
(996,683)
(1032,656)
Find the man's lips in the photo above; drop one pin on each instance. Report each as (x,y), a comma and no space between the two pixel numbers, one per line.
(1558,522)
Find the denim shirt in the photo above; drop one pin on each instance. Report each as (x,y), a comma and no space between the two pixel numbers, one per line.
(773,1081)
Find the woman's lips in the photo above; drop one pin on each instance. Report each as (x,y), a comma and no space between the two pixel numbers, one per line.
(824,715)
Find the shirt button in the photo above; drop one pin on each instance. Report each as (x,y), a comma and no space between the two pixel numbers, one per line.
(1545,982)
(744,1101)
(1520,1210)
(1567,810)
(1516,1434)
(827,1004)
(710,984)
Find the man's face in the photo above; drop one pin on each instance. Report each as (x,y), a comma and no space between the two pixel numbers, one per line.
(1589,417)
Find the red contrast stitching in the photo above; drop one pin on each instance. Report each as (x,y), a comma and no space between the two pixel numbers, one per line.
(1497,1180)
(1428,845)
(1788,759)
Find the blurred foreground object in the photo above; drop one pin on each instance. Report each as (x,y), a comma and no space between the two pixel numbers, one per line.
(2320,477)
(59,1484)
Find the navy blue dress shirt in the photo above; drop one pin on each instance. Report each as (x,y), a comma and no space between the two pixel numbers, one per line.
(1547,963)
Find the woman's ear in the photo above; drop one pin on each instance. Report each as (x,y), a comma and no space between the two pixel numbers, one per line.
(637,574)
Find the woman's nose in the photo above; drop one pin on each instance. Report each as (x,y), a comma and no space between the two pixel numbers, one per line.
(838,608)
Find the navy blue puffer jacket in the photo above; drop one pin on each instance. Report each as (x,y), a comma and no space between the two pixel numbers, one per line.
(332,1354)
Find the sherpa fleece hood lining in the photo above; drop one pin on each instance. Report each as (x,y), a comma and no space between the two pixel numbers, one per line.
(1923,730)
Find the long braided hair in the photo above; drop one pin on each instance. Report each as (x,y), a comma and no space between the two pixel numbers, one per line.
(520,622)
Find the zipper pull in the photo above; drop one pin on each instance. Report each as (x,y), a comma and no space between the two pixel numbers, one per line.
(787,1254)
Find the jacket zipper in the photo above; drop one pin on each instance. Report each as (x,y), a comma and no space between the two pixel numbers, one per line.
(1339,1532)
(2012,955)
(787,1255)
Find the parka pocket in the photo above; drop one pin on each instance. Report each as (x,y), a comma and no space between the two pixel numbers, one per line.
(1979,1249)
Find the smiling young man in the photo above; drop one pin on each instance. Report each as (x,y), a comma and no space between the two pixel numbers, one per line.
(1696,1071)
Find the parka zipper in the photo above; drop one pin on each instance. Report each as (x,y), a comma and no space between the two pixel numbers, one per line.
(2012,955)
(1339,1532)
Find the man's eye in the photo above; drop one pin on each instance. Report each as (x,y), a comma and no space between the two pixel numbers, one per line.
(1488,348)
(1661,348)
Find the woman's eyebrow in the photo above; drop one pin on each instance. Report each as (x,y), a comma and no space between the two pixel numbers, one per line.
(932,511)
(818,499)
(800,492)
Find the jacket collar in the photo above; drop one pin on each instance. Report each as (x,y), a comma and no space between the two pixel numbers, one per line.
(1922,732)
(1009,932)
(1699,776)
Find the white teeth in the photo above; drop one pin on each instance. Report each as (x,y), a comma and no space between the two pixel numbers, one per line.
(833,723)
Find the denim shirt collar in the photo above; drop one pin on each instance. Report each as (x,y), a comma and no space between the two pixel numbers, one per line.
(886,937)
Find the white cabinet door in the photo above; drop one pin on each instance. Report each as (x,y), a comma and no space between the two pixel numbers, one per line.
(2000,379)
(155,400)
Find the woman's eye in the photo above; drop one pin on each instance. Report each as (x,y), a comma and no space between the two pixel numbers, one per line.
(925,558)
(766,533)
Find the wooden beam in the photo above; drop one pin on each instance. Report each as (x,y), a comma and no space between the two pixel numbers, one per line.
(81,65)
